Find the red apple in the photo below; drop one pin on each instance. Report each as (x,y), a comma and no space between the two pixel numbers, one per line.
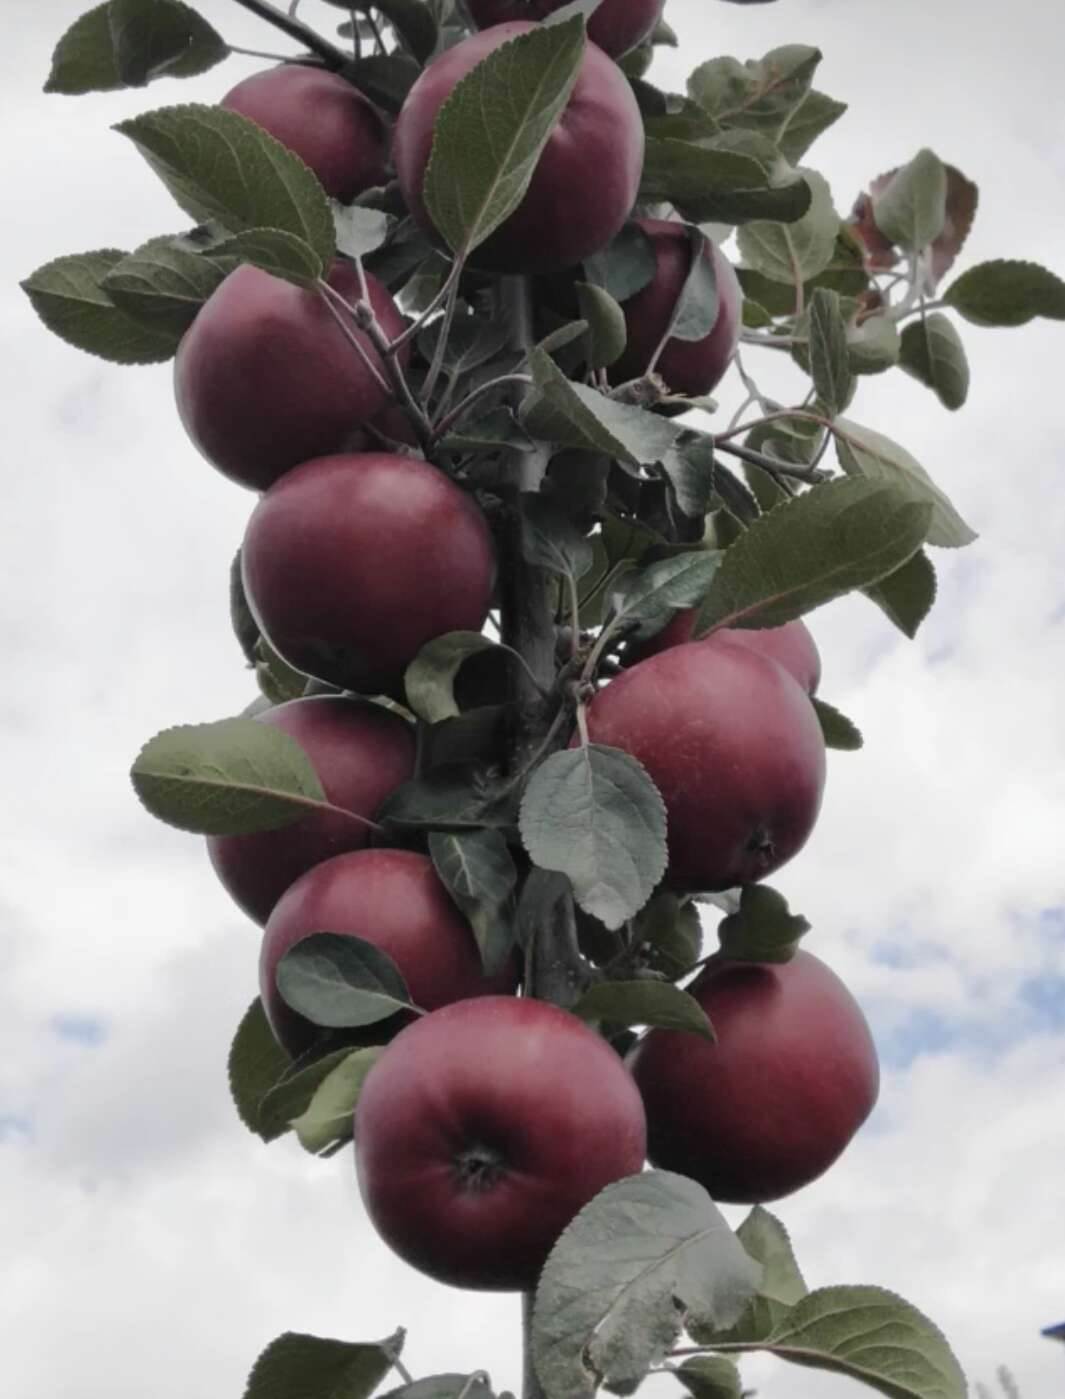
(690,367)
(319,116)
(790,645)
(265,378)
(361,752)
(585,182)
(734,747)
(395,900)
(483,1129)
(616,26)
(351,563)
(771,1105)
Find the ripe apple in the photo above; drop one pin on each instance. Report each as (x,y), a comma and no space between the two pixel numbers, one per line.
(361,752)
(734,747)
(585,182)
(319,116)
(690,367)
(771,1105)
(790,645)
(265,378)
(352,562)
(395,900)
(483,1129)
(616,26)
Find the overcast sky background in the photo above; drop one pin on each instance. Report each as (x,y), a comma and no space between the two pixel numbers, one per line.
(150,1245)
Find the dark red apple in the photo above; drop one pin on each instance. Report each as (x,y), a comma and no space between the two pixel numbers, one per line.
(690,367)
(733,745)
(319,116)
(771,1105)
(616,26)
(361,752)
(265,378)
(352,563)
(483,1129)
(585,182)
(790,645)
(395,900)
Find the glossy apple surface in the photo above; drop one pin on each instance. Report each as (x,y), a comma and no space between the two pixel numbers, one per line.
(351,563)
(770,1106)
(395,900)
(265,378)
(688,366)
(585,182)
(319,116)
(735,748)
(790,645)
(616,26)
(483,1129)
(361,752)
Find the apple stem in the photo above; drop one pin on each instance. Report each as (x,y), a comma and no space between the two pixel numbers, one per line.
(450,302)
(331,56)
(812,475)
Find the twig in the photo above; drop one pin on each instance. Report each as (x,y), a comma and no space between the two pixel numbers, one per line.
(460,409)
(334,58)
(810,474)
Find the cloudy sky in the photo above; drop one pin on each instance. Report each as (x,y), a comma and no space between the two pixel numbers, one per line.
(150,1245)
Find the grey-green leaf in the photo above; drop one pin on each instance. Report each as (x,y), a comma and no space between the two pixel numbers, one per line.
(625,266)
(932,352)
(648,1255)
(829,362)
(606,324)
(291,1095)
(163,284)
(836,729)
(273,250)
(645,599)
(717,185)
(256,1063)
(1007,292)
(842,535)
(327,1118)
(656,1003)
(478,871)
(906,596)
(220,165)
(781,1286)
(814,115)
(429,681)
(912,210)
(340,982)
(763,928)
(314,1365)
(490,132)
(359,231)
(551,540)
(124,43)
(797,251)
(594,814)
(230,777)
(710,1377)
(863,452)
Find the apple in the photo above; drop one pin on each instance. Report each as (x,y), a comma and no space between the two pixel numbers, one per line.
(319,116)
(691,367)
(361,752)
(790,645)
(616,26)
(771,1105)
(395,900)
(735,748)
(351,563)
(265,378)
(483,1129)
(585,182)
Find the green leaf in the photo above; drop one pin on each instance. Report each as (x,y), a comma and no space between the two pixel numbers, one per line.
(906,596)
(839,536)
(691,470)
(912,210)
(813,116)
(551,540)
(763,928)
(606,324)
(412,21)
(449,1386)
(220,165)
(797,251)
(594,814)
(670,933)
(292,1094)
(863,452)
(277,680)
(123,44)
(297,1364)
(711,1377)
(429,681)
(327,1119)
(1007,292)
(782,1285)
(230,777)
(449,798)
(656,1003)
(385,78)
(256,1063)
(829,364)
(163,284)
(625,266)
(836,729)
(718,186)
(161,39)
(761,94)
(271,249)
(869,1334)
(359,231)
(874,346)
(472,341)
(69,296)
(490,132)
(696,308)
(340,982)
(650,1254)
(491,433)
(932,352)
(478,872)
(645,599)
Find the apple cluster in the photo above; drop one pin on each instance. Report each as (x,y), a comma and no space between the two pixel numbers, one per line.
(492,1117)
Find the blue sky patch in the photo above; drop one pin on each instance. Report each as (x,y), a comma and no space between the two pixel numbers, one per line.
(86,1030)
